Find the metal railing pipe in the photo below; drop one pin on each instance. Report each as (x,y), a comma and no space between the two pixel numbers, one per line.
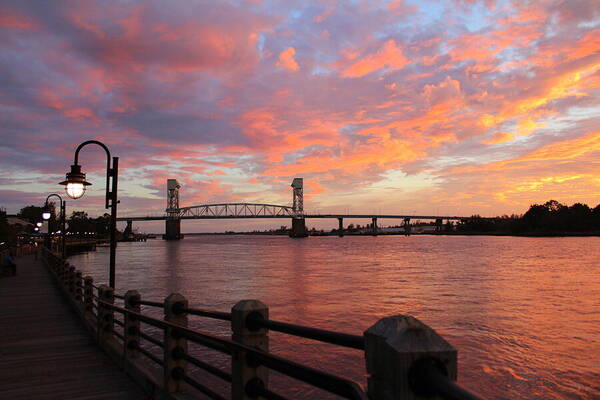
(207,313)
(427,379)
(150,356)
(323,380)
(337,338)
(201,388)
(150,303)
(207,367)
(117,334)
(256,388)
(152,340)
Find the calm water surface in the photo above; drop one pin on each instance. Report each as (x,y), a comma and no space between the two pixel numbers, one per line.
(524,313)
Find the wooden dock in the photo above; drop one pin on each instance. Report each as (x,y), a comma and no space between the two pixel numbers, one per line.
(45,351)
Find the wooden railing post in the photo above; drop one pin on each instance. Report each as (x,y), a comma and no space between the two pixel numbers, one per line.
(60,273)
(71,282)
(78,288)
(394,347)
(55,265)
(105,315)
(132,325)
(174,344)
(243,370)
(64,278)
(88,293)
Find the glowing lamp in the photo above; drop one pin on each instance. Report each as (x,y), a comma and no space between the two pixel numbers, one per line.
(75,186)
(38,224)
(46,215)
(75,182)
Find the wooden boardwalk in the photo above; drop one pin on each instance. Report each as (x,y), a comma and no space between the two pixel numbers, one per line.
(45,351)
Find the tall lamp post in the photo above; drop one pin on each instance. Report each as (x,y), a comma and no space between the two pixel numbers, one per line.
(46,216)
(75,185)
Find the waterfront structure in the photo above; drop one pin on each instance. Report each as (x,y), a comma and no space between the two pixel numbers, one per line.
(174,214)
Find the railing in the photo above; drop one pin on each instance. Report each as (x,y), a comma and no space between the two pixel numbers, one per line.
(405,359)
(233,210)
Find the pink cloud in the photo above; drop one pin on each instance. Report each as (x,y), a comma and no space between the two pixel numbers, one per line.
(9,18)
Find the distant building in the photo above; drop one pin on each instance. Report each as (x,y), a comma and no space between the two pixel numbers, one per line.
(389,230)
(18,225)
(424,229)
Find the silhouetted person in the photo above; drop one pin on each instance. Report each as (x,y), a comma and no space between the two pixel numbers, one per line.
(9,263)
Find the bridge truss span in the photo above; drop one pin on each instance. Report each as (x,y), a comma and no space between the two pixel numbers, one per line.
(236,210)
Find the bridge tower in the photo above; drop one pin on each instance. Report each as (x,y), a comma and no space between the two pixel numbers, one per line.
(298,194)
(298,221)
(173,222)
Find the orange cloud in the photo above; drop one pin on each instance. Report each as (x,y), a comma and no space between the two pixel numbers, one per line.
(287,61)
(390,55)
(483,47)
(499,137)
(271,133)
(588,45)
(565,150)
(559,152)
(352,159)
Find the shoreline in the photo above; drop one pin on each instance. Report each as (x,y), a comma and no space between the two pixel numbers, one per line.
(530,234)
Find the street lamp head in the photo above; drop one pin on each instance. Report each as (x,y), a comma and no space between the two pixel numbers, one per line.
(75,183)
(46,215)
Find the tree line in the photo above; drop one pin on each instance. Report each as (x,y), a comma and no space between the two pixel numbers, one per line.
(79,222)
(550,218)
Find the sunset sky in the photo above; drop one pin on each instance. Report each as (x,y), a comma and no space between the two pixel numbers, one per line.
(440,107)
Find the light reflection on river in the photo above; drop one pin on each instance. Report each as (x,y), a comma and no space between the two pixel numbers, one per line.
(524,313)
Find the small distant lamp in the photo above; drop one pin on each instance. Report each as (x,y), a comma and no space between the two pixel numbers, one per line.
(63,214)
(38,224)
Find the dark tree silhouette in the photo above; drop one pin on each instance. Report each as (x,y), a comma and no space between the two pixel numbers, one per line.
(551,218)
(32,214)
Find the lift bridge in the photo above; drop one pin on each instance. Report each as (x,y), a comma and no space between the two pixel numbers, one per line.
(174,214)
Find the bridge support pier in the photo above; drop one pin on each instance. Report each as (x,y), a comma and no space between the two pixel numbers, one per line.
(374,226)
(438,224)
(340,227)
(128,229)
(298,228)
(406,226)
(172,229)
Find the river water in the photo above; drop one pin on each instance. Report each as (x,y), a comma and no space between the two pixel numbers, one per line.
(523,313)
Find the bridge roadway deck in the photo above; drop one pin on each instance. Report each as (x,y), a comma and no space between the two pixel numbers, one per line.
(45,352)
(306,216)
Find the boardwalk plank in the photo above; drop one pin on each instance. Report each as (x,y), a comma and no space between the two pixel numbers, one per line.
(45,352)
